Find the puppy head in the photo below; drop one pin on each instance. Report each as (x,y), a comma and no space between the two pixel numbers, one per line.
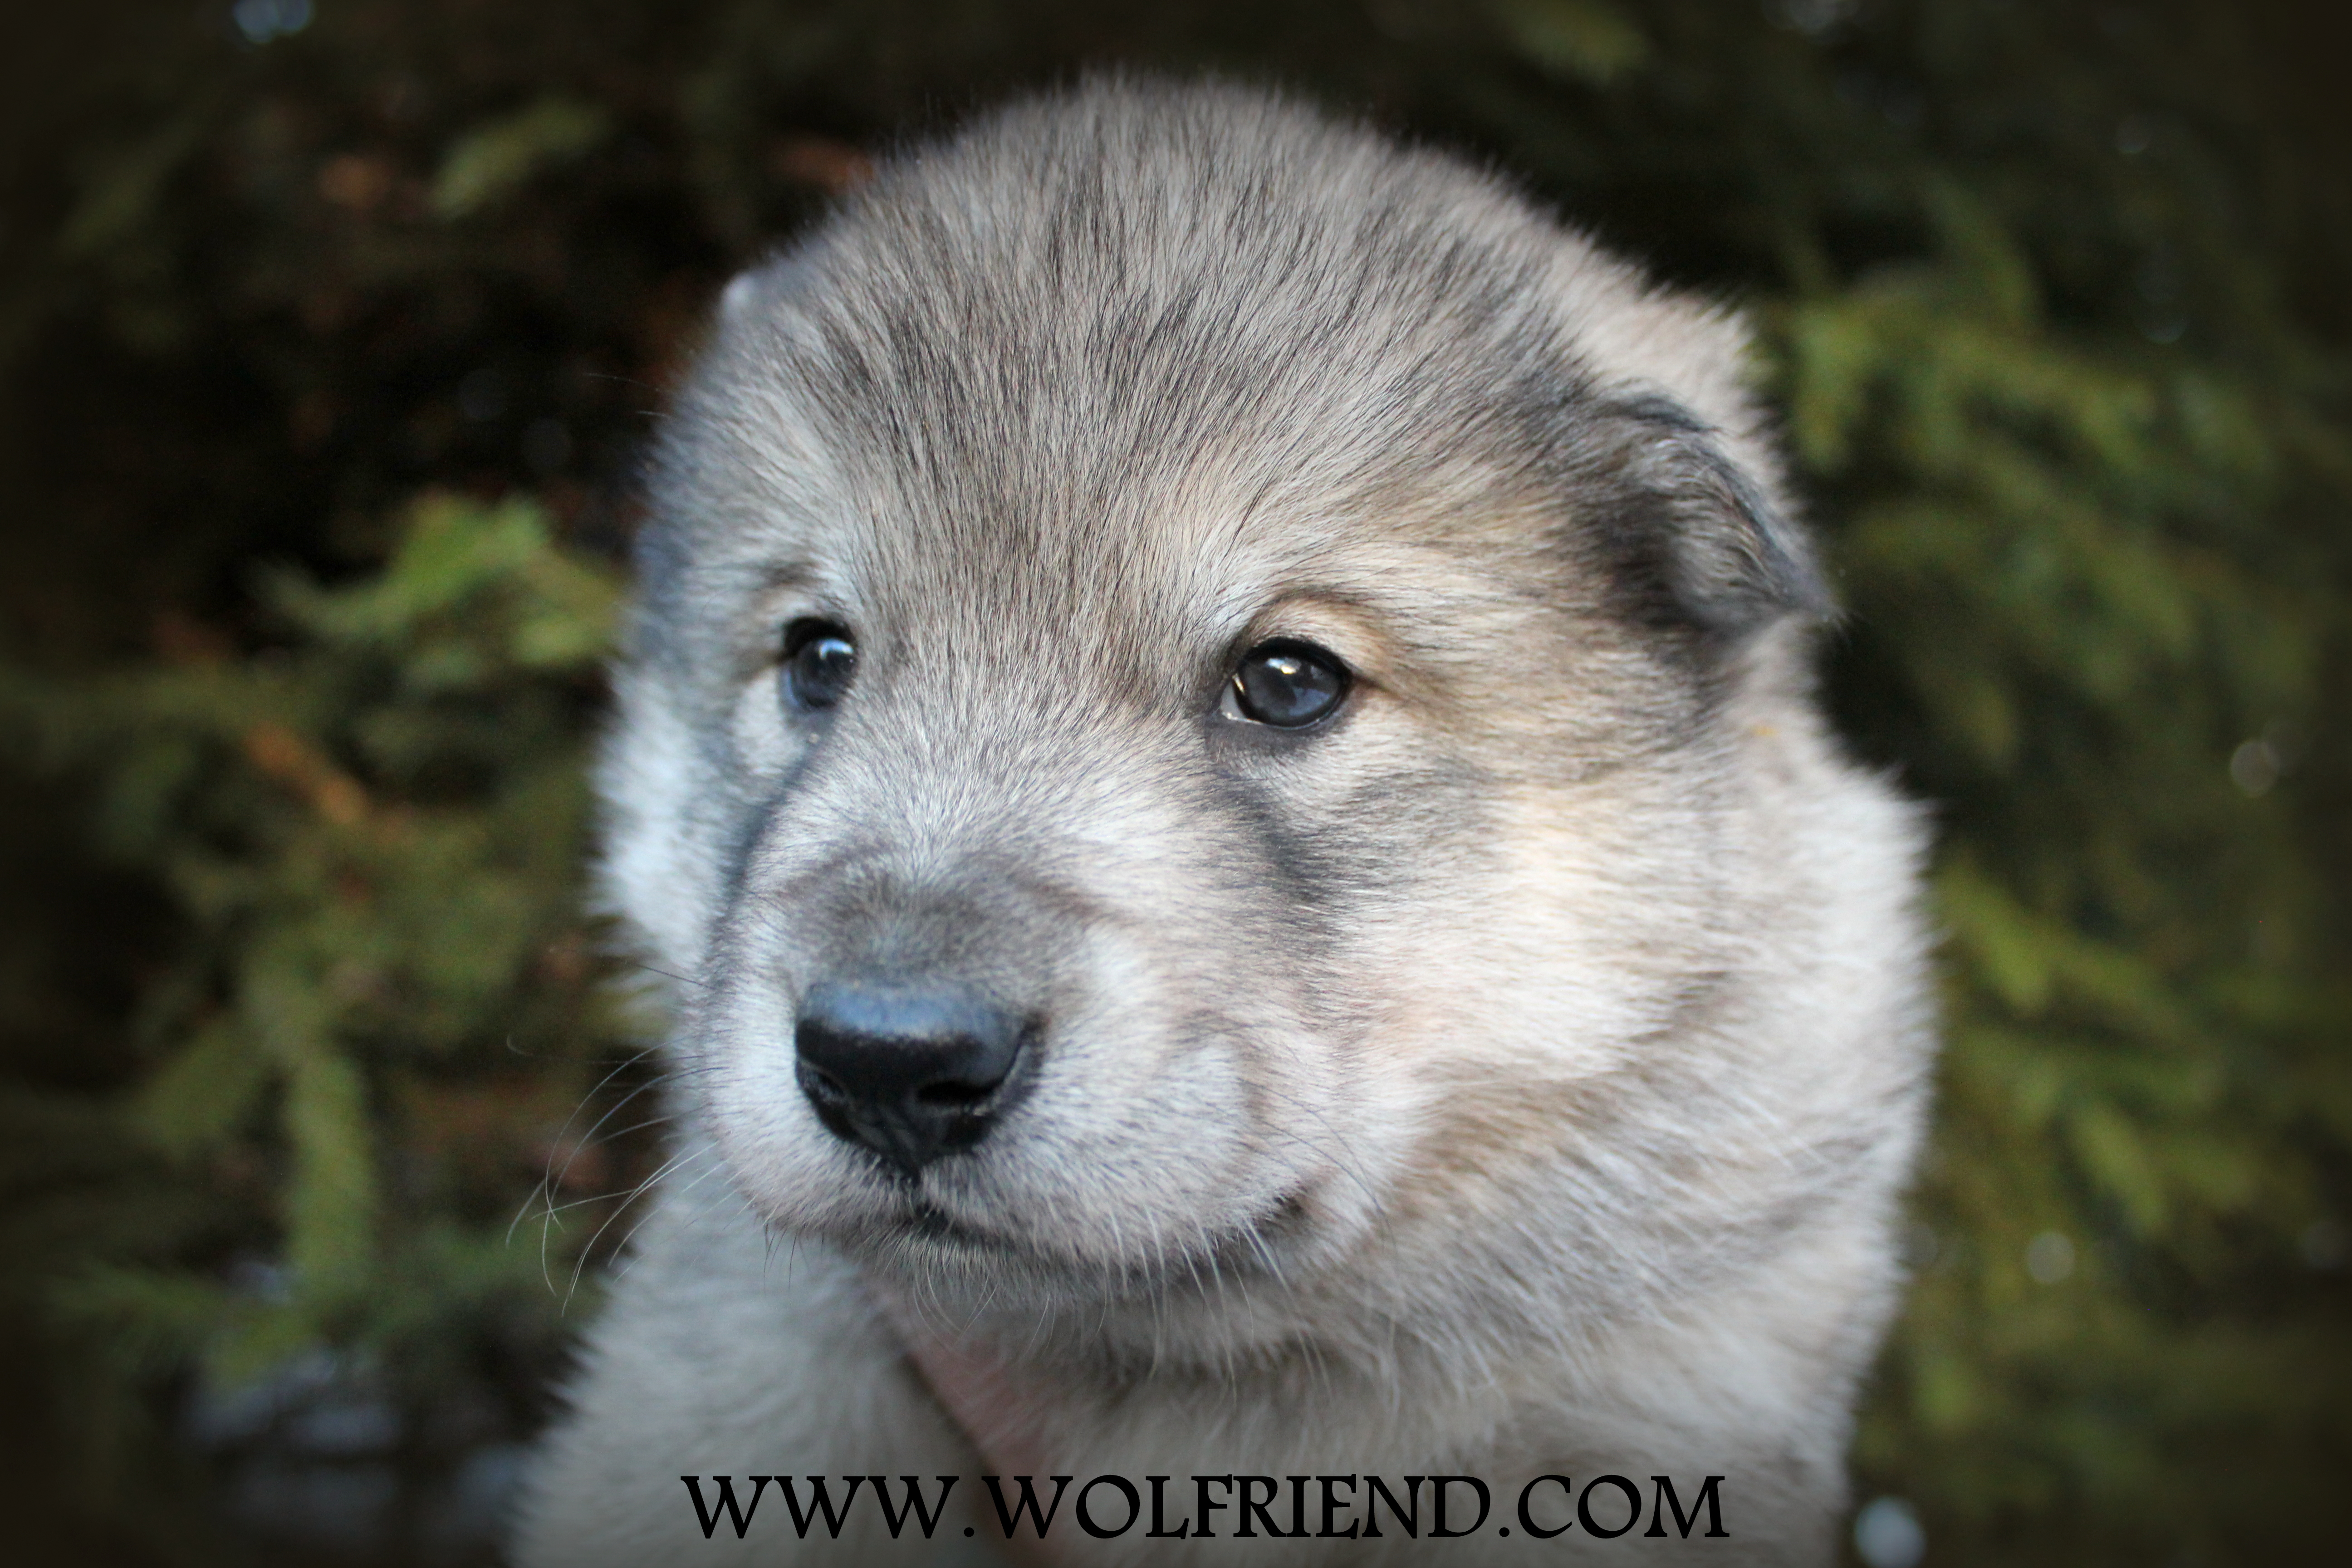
(1181,658)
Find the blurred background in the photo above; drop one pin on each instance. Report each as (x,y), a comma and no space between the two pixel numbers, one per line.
(330,335)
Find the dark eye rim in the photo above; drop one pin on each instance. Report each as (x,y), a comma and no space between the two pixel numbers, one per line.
(799,632)
(803,630)
(1315,652)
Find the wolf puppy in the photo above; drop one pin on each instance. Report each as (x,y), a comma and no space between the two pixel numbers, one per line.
(1218,734)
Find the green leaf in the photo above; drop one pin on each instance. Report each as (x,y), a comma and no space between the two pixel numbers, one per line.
(198,1099)
(1590,41)
(491,160)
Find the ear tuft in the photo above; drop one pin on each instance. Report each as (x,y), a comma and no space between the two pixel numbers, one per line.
(1696,529)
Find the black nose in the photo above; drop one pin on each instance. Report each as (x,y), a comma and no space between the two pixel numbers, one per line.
(911,1074)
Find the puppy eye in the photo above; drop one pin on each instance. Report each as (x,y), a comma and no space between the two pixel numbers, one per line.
(1289,685)
(819,659)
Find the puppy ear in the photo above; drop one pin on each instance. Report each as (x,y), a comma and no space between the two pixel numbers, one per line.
(1692,536)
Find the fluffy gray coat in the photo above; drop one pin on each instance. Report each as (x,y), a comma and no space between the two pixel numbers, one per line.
(1510,1073)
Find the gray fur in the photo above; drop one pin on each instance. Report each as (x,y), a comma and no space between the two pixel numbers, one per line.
(1517,1076)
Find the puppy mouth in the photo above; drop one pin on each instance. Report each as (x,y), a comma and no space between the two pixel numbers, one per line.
(925,1221)
(922,1232)
(912,1225)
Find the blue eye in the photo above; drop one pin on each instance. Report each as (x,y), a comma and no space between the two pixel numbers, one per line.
(1288,685)
(819,660)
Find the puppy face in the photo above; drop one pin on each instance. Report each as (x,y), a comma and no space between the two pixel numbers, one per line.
(1174,727)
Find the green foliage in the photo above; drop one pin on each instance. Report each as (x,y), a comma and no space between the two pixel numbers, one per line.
(382,1007)
(2142,1104)
(485,165)
(1583,40)
(297,994)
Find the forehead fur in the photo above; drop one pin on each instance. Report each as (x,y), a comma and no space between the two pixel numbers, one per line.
(1092,318)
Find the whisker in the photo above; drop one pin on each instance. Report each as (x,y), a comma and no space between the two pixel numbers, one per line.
(638,1190)
(667,974)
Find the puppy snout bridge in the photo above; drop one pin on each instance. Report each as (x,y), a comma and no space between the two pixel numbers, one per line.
(913,1073)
